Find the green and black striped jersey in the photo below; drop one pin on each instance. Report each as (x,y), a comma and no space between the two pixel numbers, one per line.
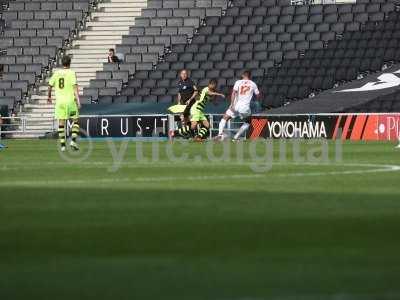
(201,103)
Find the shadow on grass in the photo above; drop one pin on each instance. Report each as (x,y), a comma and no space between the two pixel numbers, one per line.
(99,244)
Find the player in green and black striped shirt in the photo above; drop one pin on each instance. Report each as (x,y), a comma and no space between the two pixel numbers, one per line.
(197,113)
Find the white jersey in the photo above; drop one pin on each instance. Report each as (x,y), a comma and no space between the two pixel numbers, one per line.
(245,89)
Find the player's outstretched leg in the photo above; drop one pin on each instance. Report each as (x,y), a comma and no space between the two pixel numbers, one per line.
(203,132)
(241,130)
(221,126)
(74,135)
(229,114)
(61,134)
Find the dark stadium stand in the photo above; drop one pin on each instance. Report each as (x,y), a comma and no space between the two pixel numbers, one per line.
(4,101)
(164,26)
(352,96)
(386,103)
(35,34)
(293,51)
(3,6)
(252,34)
(342,60)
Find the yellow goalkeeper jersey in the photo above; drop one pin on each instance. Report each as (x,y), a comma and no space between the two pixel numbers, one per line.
(64,82)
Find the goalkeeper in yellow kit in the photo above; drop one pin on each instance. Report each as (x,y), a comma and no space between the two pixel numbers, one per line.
(67,102)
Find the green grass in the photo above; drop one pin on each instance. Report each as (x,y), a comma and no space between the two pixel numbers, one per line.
(216,230)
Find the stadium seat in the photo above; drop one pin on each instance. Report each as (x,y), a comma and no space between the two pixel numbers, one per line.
(356,52)
(33,34)
(228,33)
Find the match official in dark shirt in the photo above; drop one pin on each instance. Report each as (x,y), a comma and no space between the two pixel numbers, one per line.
(187,93)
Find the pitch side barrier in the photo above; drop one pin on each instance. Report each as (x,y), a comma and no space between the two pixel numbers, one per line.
(146,126)
(362,126)
(10,125)
(356,126)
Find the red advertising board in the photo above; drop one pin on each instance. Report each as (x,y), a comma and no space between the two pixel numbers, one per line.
(356,127)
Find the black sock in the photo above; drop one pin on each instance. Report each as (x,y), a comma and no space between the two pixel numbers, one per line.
(184,130)
(203,132)
(61,135)
(75,131)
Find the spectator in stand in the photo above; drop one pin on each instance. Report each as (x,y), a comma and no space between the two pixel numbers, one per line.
(112,58)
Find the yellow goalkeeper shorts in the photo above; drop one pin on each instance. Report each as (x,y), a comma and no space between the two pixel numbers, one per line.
(66,110)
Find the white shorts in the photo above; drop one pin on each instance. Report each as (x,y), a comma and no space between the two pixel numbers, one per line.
(242,113)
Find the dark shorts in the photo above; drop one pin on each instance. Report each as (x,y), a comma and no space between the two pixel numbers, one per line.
(186,112)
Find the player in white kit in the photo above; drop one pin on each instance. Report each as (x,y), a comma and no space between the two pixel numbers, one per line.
(243,92)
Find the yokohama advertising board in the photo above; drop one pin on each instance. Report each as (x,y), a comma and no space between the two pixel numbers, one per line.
(356,127)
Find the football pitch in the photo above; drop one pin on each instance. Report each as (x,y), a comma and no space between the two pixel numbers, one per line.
(214,221)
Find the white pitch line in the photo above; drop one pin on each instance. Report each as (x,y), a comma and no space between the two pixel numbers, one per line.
(197,178)
(375,168)
(185,164)
(379,169)
(128,180)
(94,165)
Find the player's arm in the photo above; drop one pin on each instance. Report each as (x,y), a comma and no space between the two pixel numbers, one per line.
(216,94)
(76,92)
(49,90)
(235,94)
(233,98)
(213,98)
(257,93)
(194,95)
(74,83)
(49,94)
